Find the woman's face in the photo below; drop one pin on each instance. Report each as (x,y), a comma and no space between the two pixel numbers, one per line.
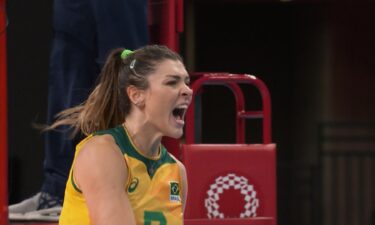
(167,98)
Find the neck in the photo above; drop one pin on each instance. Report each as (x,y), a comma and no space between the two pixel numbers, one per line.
(145,139)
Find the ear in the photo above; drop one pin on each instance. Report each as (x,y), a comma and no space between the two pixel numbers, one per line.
(136,95)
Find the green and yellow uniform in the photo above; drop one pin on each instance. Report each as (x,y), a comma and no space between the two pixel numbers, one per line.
(153,186)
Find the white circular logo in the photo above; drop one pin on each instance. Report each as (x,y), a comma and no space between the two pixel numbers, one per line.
(239,183)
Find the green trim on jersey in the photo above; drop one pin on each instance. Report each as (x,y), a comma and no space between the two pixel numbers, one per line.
(74,183)
(126,146)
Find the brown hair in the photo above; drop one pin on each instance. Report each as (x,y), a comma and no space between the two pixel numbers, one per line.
(108,104)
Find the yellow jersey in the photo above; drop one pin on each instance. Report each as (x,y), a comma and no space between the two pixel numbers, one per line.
(154,186)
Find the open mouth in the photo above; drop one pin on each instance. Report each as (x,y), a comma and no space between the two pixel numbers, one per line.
(179,113)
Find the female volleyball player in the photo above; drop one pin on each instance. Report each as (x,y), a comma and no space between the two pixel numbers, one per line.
(121,174)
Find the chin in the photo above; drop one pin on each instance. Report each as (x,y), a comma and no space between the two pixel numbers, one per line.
(175,134)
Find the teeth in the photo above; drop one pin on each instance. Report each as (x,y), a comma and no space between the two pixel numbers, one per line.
(182,107)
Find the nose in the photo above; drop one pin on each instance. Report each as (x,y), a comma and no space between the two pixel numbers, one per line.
(187,91)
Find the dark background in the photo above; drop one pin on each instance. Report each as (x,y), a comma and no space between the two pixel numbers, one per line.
(316,58)
(28,48)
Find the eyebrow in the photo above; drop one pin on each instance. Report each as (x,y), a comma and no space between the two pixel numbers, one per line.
(178,77)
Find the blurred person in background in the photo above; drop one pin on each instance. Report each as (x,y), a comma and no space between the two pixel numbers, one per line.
(84,31)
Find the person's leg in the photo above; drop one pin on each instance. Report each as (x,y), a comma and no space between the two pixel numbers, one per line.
(72,75)
(119,23)
(126,27)
(73,71)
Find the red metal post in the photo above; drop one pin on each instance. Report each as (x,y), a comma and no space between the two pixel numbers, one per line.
(168,19)
(3,120)
(230,80)
(240,107)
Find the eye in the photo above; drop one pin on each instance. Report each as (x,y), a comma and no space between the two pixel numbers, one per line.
(172,82)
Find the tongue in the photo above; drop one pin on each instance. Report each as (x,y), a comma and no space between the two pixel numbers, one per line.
(179,119)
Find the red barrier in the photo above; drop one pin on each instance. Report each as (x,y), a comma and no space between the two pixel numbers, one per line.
(3,119)
(229,181)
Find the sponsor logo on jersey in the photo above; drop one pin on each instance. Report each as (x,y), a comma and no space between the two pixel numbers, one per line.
(174,195)
(133,185)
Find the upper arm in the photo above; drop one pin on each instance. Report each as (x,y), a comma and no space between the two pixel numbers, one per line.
(101,173)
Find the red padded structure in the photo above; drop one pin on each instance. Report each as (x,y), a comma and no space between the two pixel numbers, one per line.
(205,163)
(231,183)
(3,120)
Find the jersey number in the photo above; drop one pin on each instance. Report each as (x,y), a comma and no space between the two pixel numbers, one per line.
(155,216)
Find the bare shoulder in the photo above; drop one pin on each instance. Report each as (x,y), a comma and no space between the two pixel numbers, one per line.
(182,169)
(179,163)
(99,159)
(99,146)
(100,140)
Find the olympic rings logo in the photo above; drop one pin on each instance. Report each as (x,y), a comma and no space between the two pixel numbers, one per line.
(239,183)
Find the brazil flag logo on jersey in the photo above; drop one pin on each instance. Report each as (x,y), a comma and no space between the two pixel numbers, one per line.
(174,195)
